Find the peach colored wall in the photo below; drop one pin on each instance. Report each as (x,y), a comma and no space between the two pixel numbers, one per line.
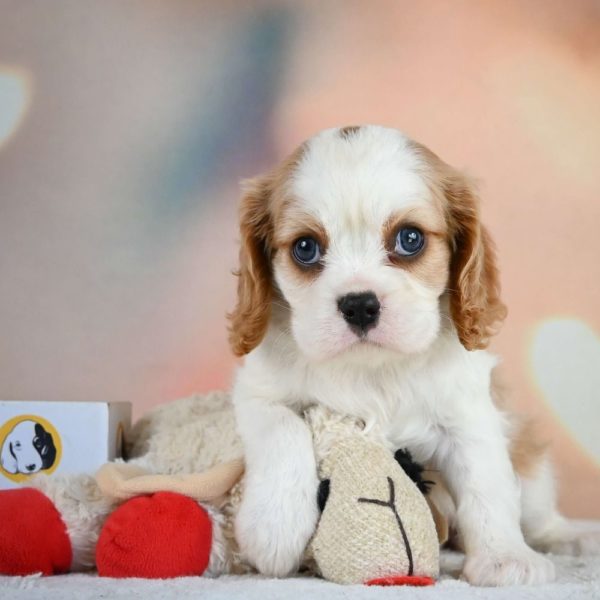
(125,127)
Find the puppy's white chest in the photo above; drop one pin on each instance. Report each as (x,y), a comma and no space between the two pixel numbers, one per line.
(396,403)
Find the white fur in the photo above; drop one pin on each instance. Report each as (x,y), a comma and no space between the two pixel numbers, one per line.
(414,381)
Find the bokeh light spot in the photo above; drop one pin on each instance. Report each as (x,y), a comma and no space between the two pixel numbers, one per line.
(15,96)
(565,359)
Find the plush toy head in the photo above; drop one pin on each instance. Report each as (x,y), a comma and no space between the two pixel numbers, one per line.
(376,526)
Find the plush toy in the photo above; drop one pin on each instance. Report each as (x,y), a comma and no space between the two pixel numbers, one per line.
(169,510)
(376,525)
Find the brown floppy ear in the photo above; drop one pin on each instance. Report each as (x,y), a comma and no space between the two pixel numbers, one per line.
(474,285)
(248,321)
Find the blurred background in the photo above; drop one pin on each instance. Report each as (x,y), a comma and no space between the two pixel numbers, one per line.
(125,127)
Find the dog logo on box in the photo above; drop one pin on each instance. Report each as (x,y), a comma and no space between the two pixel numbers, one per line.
(29,444)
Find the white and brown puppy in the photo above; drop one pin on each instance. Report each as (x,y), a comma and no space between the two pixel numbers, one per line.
(367,283)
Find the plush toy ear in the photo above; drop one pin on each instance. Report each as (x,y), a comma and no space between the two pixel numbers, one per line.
(121,481)
(413,469)
(323,493)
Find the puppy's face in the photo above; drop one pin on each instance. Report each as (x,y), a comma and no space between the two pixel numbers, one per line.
(363,233)
(362,255)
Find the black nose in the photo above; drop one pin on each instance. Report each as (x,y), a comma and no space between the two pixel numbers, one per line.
(30,467)
(360,311)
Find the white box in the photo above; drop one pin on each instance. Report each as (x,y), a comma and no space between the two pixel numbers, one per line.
(59,437)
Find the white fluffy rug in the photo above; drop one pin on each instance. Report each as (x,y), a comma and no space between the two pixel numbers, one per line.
(577,578)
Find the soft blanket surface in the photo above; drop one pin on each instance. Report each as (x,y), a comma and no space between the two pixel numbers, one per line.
(578,577)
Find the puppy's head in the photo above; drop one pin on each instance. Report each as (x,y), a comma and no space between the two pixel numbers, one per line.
(372,241)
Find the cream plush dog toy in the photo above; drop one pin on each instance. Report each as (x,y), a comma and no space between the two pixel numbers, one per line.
(169,511)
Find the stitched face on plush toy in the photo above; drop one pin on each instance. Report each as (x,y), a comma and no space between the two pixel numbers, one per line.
(403,457)
(375,521)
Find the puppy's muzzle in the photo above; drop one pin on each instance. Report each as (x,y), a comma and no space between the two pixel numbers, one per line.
(360,311)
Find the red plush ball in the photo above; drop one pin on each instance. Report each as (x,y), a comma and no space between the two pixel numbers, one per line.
(33,537)
(158,536)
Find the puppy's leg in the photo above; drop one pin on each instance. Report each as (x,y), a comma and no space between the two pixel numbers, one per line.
(543,526)
(279,511)
(473,456)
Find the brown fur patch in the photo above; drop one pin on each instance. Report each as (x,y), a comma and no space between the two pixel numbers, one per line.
(349,131)
(526,447)
(262,200)
(293,223)
(474,284)
(431,264)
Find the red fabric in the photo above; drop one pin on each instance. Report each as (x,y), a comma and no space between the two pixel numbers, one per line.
(33,537)
(401,580)
(158,536)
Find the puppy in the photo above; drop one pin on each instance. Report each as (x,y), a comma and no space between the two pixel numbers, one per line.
(367,283)
(27,449)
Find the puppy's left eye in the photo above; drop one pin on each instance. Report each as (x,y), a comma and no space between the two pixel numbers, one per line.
(409,241)
(306,251)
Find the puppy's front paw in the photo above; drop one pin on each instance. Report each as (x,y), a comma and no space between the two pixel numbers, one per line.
(273,532)
(521,567)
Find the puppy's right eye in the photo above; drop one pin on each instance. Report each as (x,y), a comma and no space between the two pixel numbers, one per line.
(306,251)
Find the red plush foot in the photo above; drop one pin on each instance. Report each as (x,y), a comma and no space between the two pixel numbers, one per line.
(33,537)
(158,536)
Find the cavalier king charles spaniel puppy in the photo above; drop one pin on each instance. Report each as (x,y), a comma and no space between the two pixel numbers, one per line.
(367,283)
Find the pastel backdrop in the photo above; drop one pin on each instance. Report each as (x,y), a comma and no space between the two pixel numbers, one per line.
(126,125)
